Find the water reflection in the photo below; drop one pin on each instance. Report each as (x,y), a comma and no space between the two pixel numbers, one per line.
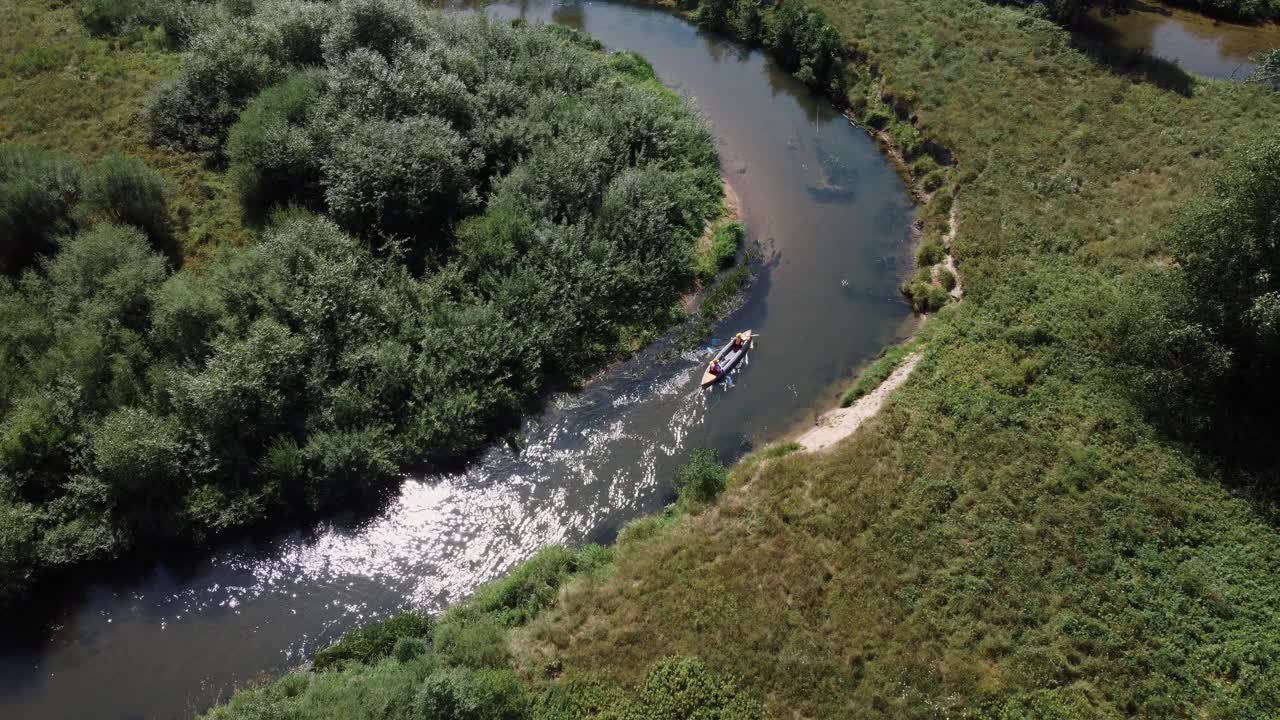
(173,637)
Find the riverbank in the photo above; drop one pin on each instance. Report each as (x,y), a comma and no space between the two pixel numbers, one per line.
(1012,535)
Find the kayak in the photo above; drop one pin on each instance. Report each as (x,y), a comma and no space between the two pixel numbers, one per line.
(728,358)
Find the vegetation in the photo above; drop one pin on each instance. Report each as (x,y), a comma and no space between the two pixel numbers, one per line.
(1268,70)
(724,240)
(501,208)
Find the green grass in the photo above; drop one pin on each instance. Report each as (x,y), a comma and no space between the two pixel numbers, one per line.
(718,249)
(63,89)
(877,372)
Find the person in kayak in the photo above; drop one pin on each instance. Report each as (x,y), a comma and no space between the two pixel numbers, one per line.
(715,368)
(737,343)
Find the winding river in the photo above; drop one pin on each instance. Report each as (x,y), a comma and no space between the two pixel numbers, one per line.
(170,638)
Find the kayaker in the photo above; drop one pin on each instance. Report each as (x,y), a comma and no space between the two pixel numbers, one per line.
(737,342)
(715,368)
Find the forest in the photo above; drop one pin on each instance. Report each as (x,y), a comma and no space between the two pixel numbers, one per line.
(449,215)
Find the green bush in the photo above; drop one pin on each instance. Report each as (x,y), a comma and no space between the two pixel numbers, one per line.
(38,191)
(925,297)
(781,449)
(457,694)
(682,688)
(532,585)
(124,190)
(947,278)
(934,180)
(642,529)
(408,648)
(273,158)
(930,254)
(467,638)
(701,478)
(375,641)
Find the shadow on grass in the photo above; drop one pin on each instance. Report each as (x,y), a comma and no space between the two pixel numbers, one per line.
(1101,44)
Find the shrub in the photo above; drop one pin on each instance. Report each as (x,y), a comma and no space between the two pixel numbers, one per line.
(37,193)
(781,449)
(877,372)
(925,297)
(930,254)
(124,190)
(725,243)
(408,648)
(376,641)
(407,178)
(947,278)
(877,115)
(923,165)
(274,159)
(225,67)
(105,16)
(905,138)
(465,637)
(134,451)
(642,529)
(701,478)
(682,688)
(933,180)
(457,694)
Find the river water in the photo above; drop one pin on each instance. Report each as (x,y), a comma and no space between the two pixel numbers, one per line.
(170,638)
(1198,44)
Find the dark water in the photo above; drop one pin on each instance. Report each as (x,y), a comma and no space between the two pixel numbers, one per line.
(832,220)
(1198,44)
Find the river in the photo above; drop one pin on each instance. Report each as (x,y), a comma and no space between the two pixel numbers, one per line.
(169,638)
(1197,44)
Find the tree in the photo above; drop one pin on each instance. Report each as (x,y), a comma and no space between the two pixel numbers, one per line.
(1228,247)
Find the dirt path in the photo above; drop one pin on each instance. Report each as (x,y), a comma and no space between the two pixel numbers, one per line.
(841,423)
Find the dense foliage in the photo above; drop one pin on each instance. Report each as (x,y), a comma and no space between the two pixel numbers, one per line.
(507,207)
(45,195)
(1200,343)
(796,33)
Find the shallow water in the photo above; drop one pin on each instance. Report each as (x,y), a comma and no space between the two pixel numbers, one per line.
(832,221)
(1198,44)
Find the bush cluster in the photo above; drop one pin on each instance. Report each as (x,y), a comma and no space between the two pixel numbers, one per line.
(507,205)
(46,195)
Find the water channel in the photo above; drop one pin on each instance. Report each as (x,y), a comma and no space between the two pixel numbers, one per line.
(169,638)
